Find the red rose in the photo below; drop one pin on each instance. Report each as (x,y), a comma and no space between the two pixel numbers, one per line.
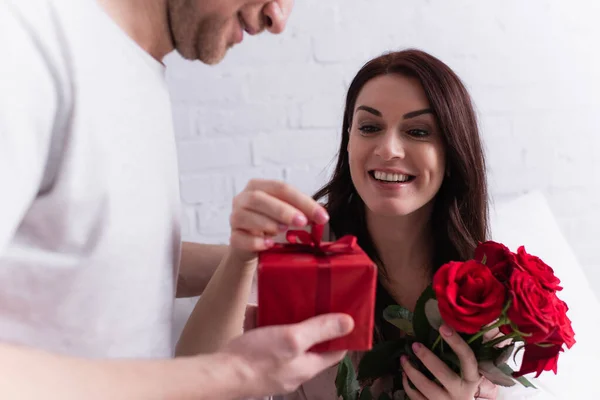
(539,269)
(499,259)
(533,309)
(494,253)
(564,332)
(469,297)
(538,359)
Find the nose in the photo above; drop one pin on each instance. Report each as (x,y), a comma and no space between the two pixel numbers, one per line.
(276,14)
(390,146)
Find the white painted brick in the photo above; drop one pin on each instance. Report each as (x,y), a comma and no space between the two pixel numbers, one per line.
(244,120)
(183,121)
(201,155)
(242,178)
(208,188)
(295,147)
(297,83)
(310,178)
(213,220)
(193,82)
(188,222)
(327,113)
(287,48)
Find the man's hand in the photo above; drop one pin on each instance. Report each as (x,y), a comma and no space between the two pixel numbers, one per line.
(275,360)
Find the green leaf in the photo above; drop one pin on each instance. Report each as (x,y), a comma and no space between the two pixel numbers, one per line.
(484,259)
(345,381)
(400,317)
(496,374)
(423,330)
(522,380)
(432,312)
(497,354)
(366,394)
(382,359)
(503,357)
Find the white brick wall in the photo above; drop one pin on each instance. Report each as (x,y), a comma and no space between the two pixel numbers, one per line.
(273,107)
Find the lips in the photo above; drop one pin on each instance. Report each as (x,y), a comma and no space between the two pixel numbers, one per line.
(245,26)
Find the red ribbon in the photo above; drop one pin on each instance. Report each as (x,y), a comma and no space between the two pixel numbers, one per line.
(311,241)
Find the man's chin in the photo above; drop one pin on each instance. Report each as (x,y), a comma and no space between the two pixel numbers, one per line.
(206,57)
(213,57)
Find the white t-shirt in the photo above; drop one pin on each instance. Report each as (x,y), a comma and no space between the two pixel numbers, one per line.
(89,196)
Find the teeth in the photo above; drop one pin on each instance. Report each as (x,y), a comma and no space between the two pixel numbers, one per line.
(383,176)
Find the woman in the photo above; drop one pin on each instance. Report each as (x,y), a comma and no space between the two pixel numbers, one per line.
(410,183)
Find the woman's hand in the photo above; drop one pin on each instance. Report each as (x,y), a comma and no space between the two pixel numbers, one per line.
(454,387)
(264,209)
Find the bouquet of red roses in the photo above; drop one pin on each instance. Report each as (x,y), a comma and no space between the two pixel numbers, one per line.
(515,293)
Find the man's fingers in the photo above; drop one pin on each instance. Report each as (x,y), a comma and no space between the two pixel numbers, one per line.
(468,362)
(304,335)
(318,362)
(296,202)
(250,317)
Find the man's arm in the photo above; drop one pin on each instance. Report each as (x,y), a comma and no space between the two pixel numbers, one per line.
(264,362)
(198,264)
(30,374)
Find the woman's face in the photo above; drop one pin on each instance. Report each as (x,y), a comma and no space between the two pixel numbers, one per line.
(395,149)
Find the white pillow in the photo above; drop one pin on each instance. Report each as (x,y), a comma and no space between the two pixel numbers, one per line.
(528,221)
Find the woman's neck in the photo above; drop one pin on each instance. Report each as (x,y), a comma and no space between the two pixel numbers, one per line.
(406,248)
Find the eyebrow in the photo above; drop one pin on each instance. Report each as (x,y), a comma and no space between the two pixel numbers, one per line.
(409,115)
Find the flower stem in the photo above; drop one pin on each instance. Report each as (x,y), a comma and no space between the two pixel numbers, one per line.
(437,342)
(501,339)
(499,323)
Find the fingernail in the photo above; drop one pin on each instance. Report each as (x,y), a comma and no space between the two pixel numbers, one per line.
(282,228)
(404,360)
(417,347)
(269,242)
(345,324)
(445,330)
(300,220)
(321,216)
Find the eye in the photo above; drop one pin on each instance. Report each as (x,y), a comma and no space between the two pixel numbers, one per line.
(418,133)
(368,129)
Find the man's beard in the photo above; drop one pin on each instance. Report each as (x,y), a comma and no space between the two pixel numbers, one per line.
(197,38)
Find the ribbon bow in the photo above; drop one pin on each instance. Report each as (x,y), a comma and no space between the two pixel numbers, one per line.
(312,240)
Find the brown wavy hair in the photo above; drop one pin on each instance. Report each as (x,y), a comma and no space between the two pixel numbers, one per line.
(460,212)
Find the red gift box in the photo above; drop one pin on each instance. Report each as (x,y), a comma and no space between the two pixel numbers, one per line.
(306,277)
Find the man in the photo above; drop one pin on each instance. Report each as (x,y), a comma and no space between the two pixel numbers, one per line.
(89,225)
